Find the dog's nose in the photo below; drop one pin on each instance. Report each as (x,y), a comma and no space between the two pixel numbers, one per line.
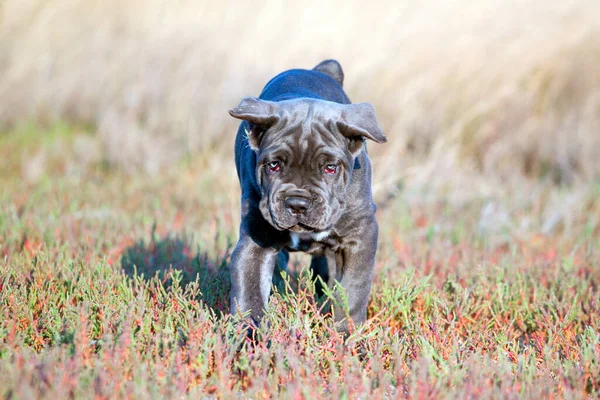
(296,205)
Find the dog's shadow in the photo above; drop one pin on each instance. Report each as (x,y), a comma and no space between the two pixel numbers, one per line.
(173,256)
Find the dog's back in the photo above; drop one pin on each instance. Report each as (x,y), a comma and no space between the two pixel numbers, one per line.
(297,83)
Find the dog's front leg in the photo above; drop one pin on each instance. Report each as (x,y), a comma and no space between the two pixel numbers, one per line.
(355,275)
(251,277)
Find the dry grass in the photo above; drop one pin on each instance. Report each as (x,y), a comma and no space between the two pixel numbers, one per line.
(492,87)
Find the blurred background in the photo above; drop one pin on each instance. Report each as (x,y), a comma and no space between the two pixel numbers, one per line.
(475,97)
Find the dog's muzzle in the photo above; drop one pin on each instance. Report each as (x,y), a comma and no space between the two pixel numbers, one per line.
(299,210)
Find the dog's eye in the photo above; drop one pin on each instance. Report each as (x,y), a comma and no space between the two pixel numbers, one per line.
(273,166)
(331,169)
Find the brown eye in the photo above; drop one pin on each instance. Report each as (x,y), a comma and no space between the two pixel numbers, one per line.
(273,166)
(330,169)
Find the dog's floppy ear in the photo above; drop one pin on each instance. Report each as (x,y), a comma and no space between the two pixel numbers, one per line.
(261,115)
(358,122)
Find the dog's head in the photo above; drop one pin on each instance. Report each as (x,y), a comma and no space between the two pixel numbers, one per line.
(305,156)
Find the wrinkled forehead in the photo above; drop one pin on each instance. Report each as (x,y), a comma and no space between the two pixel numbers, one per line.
(305,121)
(298,110)
(304,140)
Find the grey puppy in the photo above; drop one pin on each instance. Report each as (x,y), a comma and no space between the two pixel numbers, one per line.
(306,186)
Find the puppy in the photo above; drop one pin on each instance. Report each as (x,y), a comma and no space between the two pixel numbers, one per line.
(305,177)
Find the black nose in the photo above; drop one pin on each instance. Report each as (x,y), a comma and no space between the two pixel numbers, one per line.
(296,205)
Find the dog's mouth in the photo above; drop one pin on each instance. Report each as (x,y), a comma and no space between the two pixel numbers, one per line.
(300,228)
(314,220)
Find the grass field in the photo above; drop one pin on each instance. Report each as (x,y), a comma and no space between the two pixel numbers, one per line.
(119,201)
(115,285)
